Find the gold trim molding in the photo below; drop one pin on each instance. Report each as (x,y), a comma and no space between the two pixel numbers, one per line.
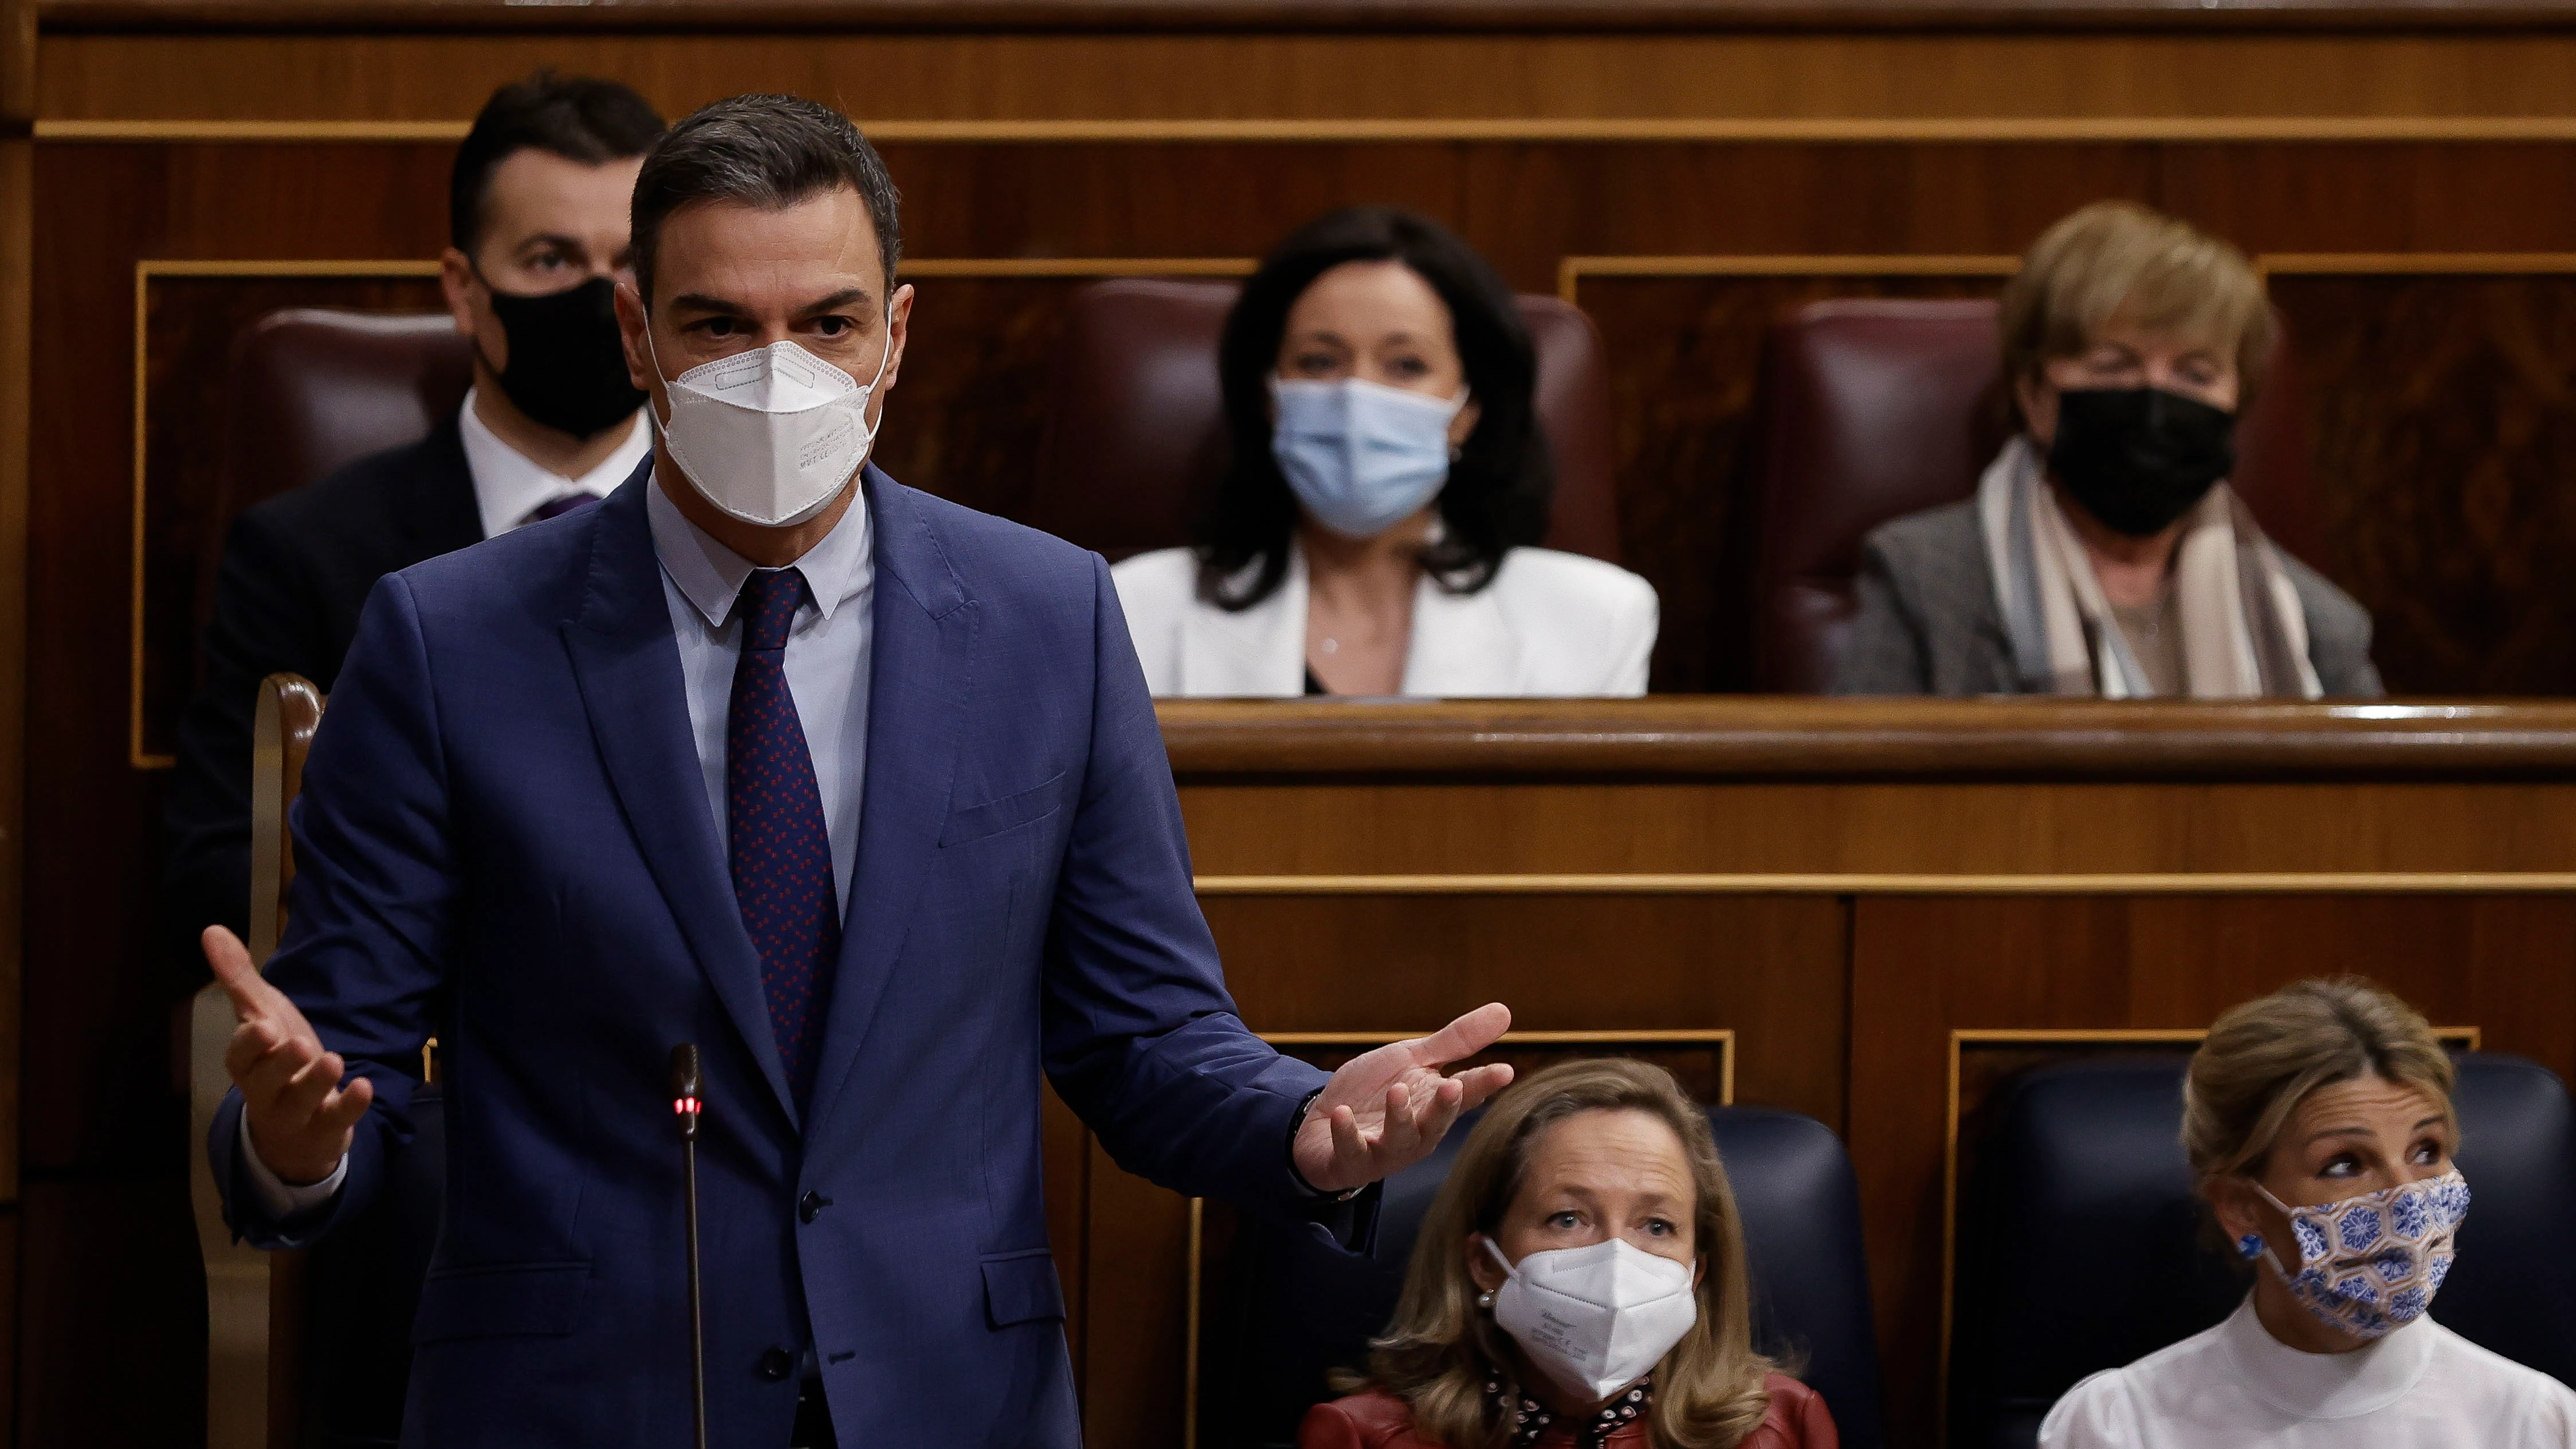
(1362,130)
(2037,883)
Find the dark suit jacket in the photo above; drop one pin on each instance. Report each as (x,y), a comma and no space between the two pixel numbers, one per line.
(503,839)
(296,569)
(1928,621)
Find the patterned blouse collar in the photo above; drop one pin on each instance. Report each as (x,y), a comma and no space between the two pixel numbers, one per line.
(1532,1419)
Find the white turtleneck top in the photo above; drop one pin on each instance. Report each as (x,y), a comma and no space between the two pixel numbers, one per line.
(2421,1387)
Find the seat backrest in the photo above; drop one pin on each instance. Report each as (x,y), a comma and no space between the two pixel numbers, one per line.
(1136,438)
(2084,1182)
(312,388)
(1302,1308)
(1866,410)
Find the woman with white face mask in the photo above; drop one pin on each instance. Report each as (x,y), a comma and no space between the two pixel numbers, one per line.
(1579,1284)
(2319,1121)
(1375,531)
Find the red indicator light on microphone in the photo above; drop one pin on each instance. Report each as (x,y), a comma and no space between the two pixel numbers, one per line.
(686,1106)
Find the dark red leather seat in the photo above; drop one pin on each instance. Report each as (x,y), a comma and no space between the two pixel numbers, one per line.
(1136,438)
(313,388)
(1868,410)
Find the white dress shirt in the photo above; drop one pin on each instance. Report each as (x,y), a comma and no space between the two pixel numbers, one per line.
(828,651)
(2421,1387)
(1549,623)
(509,487)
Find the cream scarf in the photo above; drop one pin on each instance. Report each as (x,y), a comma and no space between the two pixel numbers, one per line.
(2244,633)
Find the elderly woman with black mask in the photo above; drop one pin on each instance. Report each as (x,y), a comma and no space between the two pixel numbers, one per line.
(2104,552)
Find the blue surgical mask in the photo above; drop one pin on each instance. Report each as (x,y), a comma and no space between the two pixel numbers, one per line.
(1361,456)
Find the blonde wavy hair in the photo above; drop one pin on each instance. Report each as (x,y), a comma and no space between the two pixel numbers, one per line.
(2120,259)
(2263,1058)
(1441,1348)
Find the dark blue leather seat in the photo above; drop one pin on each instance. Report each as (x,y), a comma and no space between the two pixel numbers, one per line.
(2081,1248)
(1300,1308)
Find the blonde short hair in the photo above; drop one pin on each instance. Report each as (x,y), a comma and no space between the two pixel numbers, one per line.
(1438,1352)
(2119,259)
(2263,1058)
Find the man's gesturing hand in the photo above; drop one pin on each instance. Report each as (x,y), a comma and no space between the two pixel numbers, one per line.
(300,1116)
(1384,1111)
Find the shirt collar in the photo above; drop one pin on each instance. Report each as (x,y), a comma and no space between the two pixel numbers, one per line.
(839,568)
(508,486)
(2327,1385)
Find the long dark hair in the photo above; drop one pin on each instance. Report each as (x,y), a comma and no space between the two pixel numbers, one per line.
(1496,497)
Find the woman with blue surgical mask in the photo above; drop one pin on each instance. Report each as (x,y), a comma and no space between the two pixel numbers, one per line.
(1579,1283)
(2319,1121)
(1375,532)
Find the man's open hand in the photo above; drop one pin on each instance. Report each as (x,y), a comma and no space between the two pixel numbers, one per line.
(300,1116)
(1385,1110)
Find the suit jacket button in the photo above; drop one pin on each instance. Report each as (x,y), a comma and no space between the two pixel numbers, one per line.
(776,1365)
(811,1205)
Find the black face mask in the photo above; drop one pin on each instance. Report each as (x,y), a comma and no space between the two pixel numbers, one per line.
(567,366)
(2138,458)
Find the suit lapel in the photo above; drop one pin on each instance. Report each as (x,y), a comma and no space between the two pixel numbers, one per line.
(920,673)
(1462,647)
(628,668)
(1258,652)
(440,514)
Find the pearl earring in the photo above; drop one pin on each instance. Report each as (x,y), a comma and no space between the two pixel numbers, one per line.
(2250,1246)
(1485,1300)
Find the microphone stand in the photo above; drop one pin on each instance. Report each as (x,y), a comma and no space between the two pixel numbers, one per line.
(686,1106)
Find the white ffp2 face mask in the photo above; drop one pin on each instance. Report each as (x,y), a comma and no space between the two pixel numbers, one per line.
(1595,1319)
(771,436)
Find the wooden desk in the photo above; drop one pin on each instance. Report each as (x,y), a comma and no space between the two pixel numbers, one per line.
(1881,901)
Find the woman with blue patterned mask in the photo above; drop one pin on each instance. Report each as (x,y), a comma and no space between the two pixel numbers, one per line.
(2319,1122)
(1387,483)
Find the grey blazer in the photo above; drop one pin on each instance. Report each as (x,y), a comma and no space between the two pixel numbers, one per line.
(1929,623)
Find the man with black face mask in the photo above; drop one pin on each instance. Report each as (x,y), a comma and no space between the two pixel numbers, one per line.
(538,202)
(2104,552)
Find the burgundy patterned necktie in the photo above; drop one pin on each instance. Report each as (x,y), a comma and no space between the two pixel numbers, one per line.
(558,507)
(781,855)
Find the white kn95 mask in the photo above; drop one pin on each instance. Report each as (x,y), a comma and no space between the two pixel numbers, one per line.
(770,436)
(1597,1318)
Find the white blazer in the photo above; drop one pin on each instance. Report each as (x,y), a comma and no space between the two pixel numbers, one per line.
(1549,624)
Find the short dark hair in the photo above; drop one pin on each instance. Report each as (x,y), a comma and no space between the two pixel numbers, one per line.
(580,118)
(764,151)
(1499,487)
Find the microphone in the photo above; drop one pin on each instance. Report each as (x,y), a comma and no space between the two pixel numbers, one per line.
(686,1106)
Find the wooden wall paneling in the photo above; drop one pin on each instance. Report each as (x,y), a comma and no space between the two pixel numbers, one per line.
(970,409)
(1680,443)
(2073,830)
(2302,81)
(103,1122)
(1770,969)
(17,265)
(1923,968)
(187,316)
(2444,430)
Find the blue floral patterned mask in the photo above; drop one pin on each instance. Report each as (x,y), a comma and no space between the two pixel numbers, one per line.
(2369,1265)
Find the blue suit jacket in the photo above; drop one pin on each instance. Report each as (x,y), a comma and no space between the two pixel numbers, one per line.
(503,840)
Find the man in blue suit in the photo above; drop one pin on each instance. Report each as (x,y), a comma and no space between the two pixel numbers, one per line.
(858,790)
